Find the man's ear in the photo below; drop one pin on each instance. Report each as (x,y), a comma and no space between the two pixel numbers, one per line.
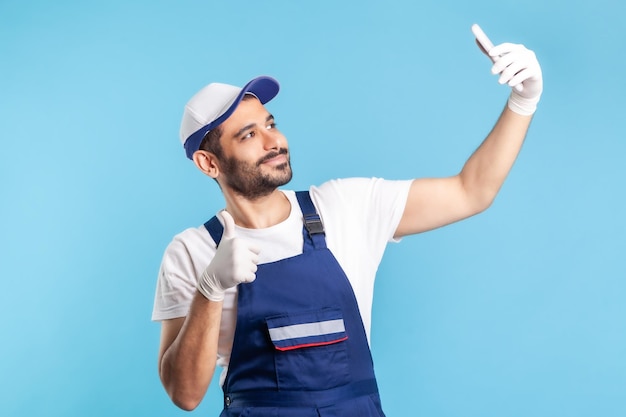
(207,163)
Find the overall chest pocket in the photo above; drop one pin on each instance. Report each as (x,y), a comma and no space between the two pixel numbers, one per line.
(311,349)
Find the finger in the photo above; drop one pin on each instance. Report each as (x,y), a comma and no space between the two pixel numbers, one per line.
(502,63)
(503,49)
(248,278)
(249,275)
(254,258)
(255,249)
(510,71)
(520,77)
(504,55)
(229,224)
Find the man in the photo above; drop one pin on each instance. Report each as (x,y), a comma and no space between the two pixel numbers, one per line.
(277,288)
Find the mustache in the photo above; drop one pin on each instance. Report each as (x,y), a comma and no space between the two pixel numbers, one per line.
(281,151)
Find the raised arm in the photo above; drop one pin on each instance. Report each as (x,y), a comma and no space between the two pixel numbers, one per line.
(436,202)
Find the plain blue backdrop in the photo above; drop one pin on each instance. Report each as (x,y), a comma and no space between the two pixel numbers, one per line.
(516,312)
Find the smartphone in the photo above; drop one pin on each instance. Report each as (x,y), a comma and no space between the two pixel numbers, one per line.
(482,39)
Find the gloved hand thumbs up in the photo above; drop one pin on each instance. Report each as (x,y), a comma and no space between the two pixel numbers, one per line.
(235,262)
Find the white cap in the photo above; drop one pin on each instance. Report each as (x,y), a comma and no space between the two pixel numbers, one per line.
(212,105)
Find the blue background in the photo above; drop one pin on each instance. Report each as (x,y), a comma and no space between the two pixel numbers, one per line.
(516,312)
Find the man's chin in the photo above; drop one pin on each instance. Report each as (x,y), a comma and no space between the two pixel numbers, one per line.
(285,179)
(282,174)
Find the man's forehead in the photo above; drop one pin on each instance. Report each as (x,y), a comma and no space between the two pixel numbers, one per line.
(249,111)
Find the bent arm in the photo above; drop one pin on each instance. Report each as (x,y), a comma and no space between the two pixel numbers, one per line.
(188,352)
(436,202)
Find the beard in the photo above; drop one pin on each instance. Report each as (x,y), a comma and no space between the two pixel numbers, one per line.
(250,180)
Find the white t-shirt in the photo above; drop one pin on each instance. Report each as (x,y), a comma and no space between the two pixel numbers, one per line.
(360,216)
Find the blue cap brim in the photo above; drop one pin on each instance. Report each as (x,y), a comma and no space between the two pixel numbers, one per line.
(263,87)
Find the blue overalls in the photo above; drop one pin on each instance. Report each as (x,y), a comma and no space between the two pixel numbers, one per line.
(300,348)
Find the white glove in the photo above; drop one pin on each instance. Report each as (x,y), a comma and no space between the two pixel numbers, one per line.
(235,262)
(518,67)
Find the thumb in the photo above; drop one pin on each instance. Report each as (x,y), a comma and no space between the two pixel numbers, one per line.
(229,224)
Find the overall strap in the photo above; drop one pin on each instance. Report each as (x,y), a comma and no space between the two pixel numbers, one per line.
(215,228)
(313,230)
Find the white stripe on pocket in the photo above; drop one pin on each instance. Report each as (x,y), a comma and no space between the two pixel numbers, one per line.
(307,330)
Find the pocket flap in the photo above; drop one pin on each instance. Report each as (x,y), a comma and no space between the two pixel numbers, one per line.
(313,328)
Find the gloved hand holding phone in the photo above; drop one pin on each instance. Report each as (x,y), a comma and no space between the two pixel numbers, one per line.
(518,67)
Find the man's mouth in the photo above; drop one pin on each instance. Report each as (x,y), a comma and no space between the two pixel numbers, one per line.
(275,158)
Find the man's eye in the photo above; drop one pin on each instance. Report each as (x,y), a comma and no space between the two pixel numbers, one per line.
(271,126)
(249,135)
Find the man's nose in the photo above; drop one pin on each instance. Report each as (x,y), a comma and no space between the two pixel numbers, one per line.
(271,140)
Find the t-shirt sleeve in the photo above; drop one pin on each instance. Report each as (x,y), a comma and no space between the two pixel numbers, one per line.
(374,204)
(184,259)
